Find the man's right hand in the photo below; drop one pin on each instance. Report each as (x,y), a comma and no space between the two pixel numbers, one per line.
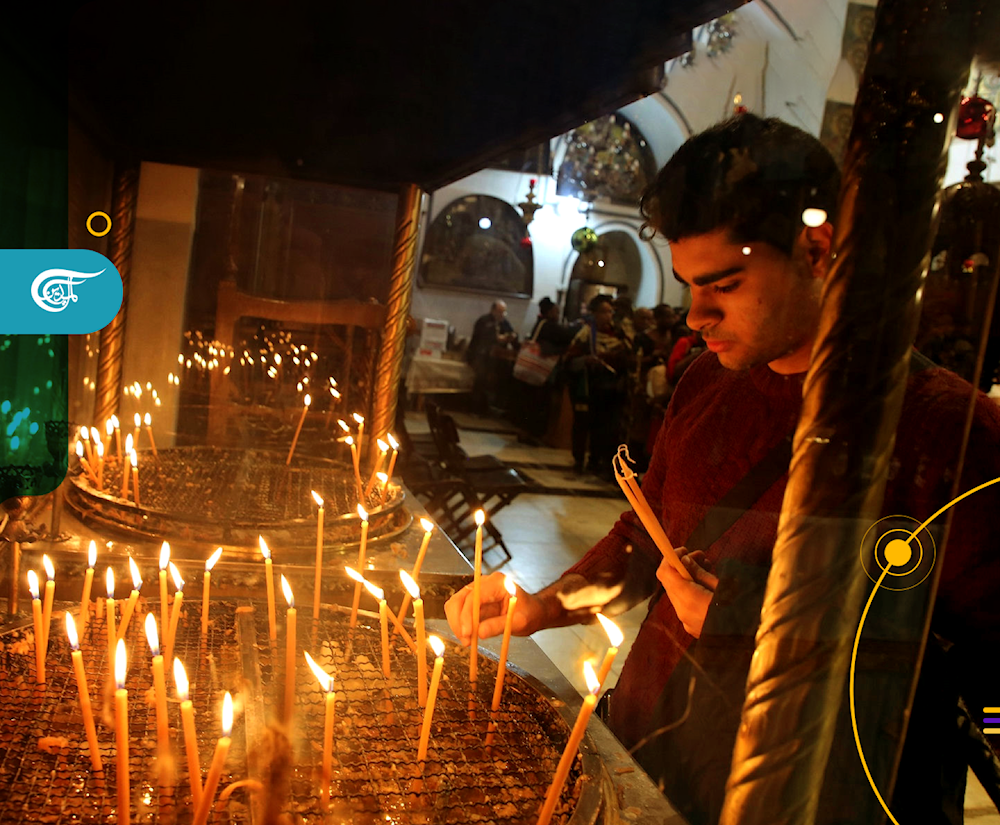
(529,614)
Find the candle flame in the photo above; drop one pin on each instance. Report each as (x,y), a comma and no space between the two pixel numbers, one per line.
(134,569)
(95,437)
(359,418)
(343,425)
(383,447)
(334,393)
(92,554)
(74,642)
(427,524)
(33,583)
(121,664)
(392,441)
(164,555)
(265,551)
(317,498)
(411,586)
(50,571)
(377,592)
(286,588)
(85,432)
(509,585)
(436,645)
(354,574)
(362,513)
(382,477)
(148,419)
(176,574)
(115,422)
(109,428)
(151,635)
(100,450)
(307,400)
(109,582)
(614,633)
(213,559)
(181,680)
(79,448)
(349,441)
(325,679)
(133,458)
(480,518)
(137,419)
(128,443)
(591,677)
(227,714)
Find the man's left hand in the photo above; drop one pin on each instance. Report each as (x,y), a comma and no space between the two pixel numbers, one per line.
(690,599)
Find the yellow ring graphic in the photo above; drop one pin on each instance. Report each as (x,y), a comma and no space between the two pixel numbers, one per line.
(861,624)
(910,537)
(90,222)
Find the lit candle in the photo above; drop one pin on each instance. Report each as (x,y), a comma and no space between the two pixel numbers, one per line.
(164,607)
(428,526)
(118,436)
(562,771)
(363,515)
(383,481)
(190,737)
(272,622)
(84,691)
(125,475)
(121,734)
(289,651)
(135,476)
(88,581)
(395,451)
(159,693)
(84,463)
(302,420)
(100,464)
(425,731)
(476,597)
(218,763)
(357,465)
(413,591)
(85,435)
(360,419)
(175,613)
(326,683)
(148,421)
(205,587)
(133,597)
(616,638)
(109,431)
(361,580)
(318,586)
(50,592)
(137,419)
(511,588)
(383,449)
(109,621)
(36,614)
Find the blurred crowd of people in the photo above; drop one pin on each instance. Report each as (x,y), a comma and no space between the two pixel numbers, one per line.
(618,364)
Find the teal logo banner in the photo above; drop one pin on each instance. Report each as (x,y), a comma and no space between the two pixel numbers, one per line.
(57,291)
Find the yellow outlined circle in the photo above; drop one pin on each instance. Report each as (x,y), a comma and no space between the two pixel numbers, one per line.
(885,537)
(90,223)
(888,529)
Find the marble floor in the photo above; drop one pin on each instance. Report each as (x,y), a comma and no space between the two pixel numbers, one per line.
(548,532)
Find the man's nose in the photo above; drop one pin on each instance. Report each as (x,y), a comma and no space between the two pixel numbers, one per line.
(703,312)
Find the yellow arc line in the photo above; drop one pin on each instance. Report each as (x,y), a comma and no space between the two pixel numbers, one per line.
(857,641)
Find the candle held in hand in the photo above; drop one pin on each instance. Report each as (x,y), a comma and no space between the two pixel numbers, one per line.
(511,589)
(84,691)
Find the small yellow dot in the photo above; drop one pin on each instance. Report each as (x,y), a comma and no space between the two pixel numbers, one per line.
(898,552)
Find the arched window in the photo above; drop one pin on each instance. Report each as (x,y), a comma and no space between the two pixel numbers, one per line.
(479,243)
(612,266)
(606,158)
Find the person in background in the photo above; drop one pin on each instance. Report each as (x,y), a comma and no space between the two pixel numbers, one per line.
(491,332)
(689,346)
(660,333)
(598,359)
(534,404)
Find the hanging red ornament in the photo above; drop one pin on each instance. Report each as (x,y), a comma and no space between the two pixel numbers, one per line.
(975,119)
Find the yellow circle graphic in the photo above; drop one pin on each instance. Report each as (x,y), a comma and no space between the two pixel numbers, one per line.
(902,538)
(90,224)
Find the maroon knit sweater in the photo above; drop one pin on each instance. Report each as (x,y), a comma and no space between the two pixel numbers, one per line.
(719,424)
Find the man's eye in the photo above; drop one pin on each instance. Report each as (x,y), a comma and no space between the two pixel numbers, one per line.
(727,287)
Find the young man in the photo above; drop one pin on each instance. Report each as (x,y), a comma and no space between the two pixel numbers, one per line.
(730,202)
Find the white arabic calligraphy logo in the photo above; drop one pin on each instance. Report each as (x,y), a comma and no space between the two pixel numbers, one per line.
(52,289)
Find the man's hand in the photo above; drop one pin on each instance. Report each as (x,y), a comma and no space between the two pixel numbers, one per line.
(690,599)
(528,615)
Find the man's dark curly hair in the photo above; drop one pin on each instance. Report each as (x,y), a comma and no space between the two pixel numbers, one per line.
(750,174)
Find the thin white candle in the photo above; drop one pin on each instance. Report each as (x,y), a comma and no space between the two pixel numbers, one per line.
(218,763)
(132,598)
(88,581)
(318,583)
(363,515)
(206,587)
(326,683)
(272,622)
(616,637)
(425,731)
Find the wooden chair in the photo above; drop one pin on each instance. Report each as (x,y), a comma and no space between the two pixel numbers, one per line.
(339,319)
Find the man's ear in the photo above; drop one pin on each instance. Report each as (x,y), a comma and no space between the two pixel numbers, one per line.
(817,244)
